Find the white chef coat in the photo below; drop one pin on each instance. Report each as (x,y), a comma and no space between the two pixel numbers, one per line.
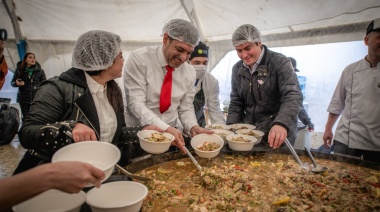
(211,91)
(357,99)
(144,74)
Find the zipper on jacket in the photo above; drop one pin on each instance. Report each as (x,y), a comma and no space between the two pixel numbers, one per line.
(259,91)
(97,134)
(251,89)
(31,91)
(253,98)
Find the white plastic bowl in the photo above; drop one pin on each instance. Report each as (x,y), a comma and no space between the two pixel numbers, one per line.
(154,147)
(218,126)
(258,134)
(241,146)
(102,155)
(242,126)
(220,132)
(198,140)
(52,200)
(117,196)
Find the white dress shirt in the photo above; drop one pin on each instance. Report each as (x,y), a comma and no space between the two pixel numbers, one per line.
(254,67)
(106,114)
(144,74)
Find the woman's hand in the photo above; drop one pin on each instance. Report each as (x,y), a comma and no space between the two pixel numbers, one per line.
(19,82)
(153,127)
(82,132)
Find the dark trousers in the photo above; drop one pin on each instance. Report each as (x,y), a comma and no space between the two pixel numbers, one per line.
(343,149)
(25,108)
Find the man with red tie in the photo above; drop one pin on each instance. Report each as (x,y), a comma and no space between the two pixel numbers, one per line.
(159,83)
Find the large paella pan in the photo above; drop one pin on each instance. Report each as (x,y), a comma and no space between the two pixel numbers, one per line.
(259,181)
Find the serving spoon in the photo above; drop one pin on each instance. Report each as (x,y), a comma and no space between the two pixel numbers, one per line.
(294,153)
(193,159)
(135,177)
(316,168)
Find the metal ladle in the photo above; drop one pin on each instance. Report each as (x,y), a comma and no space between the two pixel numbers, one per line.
(193,159)
(294,153)
(316,168)
(135,177)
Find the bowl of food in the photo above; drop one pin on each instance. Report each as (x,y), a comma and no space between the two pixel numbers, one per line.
(52,200)
(240,126)
(240,142)
(117,196)
(155,142)
(218,126)
(102,155)
(222,133)
(255,133)
(207,145)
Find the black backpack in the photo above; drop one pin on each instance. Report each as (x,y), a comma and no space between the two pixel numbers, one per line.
(9,123)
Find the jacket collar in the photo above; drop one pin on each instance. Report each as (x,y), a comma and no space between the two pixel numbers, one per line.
(75,76)
(85,102)
(244,71)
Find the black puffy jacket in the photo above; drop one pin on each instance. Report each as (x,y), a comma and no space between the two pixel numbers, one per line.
(271,95)
(27,92)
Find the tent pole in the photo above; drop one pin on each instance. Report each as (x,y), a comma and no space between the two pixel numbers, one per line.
(188,5)
(21,44)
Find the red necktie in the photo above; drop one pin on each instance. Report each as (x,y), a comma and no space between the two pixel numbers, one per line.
(166,90)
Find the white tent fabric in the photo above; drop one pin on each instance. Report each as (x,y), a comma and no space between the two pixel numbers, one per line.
(51,27)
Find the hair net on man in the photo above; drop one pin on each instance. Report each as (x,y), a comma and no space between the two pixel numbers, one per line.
(246,33)
(182,30)
(96,50)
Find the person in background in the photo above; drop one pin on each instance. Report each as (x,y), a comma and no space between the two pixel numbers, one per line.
(70,177)
(265,90)
(82,104)
(356,100)
(27,78)
(159,83)
(3,65)
(302,116)
(206,87)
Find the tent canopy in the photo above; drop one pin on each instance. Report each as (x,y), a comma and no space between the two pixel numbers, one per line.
(50,27)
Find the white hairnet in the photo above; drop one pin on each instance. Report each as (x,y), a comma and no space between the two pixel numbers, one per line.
(95,50)
(246,33)
(182,30)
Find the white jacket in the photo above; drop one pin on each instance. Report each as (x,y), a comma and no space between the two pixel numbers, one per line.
(211,92)
(357,99)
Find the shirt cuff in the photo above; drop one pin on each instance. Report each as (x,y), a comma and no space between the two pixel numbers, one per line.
(163,126)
